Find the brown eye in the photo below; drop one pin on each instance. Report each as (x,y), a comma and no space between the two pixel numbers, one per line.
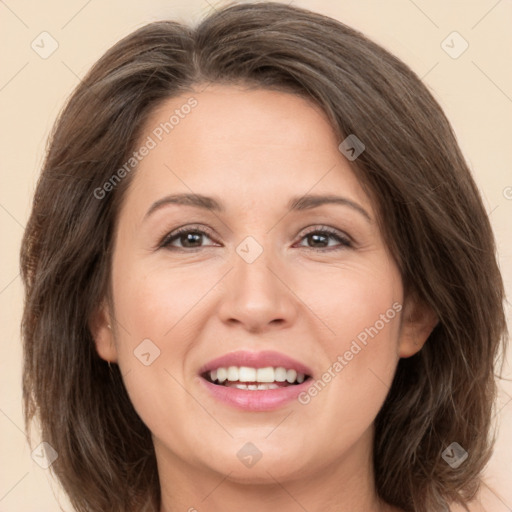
(189,238)
(320,237)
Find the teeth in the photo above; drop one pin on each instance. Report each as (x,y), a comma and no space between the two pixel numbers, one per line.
(240,385)
(280,374)
(222,374)
(291,375)
(246,374)
(267,375)
(232,373)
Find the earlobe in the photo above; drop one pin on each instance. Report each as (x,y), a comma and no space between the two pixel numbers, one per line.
(100,326)
(418,322)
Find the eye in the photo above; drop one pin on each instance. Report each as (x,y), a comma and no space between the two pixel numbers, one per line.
(321,235)
(188,237)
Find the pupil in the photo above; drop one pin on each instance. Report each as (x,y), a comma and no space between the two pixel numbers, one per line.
(189,237)
(316,237)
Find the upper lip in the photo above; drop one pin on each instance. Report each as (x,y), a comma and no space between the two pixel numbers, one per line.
(260,359)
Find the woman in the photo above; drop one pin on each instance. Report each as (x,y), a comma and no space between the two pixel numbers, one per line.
(259,274)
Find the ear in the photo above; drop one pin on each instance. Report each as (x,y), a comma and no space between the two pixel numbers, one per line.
(101,327)
(418,321)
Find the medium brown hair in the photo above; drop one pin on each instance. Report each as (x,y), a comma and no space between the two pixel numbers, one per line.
(430,213)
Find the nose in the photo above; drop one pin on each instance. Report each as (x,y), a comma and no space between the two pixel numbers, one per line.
(258,294)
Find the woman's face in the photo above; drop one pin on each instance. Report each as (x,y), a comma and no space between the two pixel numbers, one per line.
(257,273)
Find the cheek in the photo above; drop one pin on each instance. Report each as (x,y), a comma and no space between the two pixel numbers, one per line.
(153,300)
(154,306)
(351,298)
(361,306)
(350,392)
(151,343)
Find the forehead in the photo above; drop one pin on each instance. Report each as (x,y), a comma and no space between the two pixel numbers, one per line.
(246,144)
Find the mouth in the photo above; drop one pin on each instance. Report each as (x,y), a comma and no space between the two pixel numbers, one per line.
(255,381)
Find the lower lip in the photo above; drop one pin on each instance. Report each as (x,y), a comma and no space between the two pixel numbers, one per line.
(256,400)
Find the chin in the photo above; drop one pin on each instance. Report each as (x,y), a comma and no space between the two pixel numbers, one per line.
(245,465)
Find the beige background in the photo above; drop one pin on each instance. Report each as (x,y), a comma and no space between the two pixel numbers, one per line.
(474,89)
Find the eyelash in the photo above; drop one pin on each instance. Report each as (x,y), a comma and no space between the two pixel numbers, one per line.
(324,230)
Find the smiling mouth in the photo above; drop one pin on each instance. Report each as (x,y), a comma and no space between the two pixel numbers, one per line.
(255,379)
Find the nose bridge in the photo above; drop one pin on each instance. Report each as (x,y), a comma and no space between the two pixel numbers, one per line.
(256,294)
(253,262)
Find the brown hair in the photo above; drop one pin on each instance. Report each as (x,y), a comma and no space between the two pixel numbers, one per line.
(430,212)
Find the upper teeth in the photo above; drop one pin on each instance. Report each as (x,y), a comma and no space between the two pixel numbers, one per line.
(247,374)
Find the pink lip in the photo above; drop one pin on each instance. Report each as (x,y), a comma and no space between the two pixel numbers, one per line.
(256,360)
(255,400)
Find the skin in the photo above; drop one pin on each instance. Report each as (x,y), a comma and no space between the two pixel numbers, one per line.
(253,150)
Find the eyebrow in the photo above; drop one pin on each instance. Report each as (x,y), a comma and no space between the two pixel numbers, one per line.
(298,203)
